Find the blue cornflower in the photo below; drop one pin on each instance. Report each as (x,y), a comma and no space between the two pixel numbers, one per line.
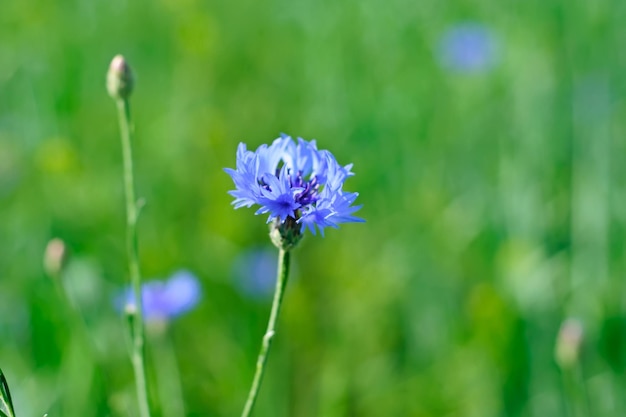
(254,271)
(295,183)
(164,300)
(468,47)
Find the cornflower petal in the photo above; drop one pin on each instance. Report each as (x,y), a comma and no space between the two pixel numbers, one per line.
(335,173)
(343,208)
(278,197)
(269,157)
(301,158)
(317,217)
(247,189)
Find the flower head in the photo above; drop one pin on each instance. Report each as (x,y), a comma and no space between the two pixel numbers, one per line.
(569,343)
(164,300)
(55,257)
(254,271)
(295,184)
(468,48)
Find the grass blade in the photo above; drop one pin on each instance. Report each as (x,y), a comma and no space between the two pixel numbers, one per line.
(6,404)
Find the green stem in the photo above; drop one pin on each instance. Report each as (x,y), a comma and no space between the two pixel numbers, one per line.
(137,356)
(575,390)
(281,281)
(168,376)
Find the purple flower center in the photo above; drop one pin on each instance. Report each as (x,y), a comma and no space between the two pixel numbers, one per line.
(308,196)
(310,192)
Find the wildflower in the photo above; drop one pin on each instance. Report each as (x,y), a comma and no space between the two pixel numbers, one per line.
(254,271)
(164,300)
(468,47)
(569,343)
(55,257)
(295,184)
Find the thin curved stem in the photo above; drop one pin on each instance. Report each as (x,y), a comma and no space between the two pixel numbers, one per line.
(137,356)
(281,282)
(168,376)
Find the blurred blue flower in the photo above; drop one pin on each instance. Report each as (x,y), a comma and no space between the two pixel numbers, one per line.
(255,272)
(468,47)
(163,300)
(294,180)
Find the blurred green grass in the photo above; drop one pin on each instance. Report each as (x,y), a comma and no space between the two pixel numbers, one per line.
(494,202)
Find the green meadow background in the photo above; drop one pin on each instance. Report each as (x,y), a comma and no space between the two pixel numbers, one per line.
(495,204)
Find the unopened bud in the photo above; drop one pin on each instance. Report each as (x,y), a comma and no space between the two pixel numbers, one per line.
(119,78)
(569,343)
(55,257)
(130,309)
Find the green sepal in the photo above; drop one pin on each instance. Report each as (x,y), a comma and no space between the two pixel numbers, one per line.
(285,235)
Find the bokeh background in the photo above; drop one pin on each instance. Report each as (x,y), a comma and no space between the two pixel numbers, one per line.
(488,139)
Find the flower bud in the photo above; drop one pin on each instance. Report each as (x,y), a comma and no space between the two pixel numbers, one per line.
(569,343)
(120,80)
(285,235)
(130,313)
(55,257)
